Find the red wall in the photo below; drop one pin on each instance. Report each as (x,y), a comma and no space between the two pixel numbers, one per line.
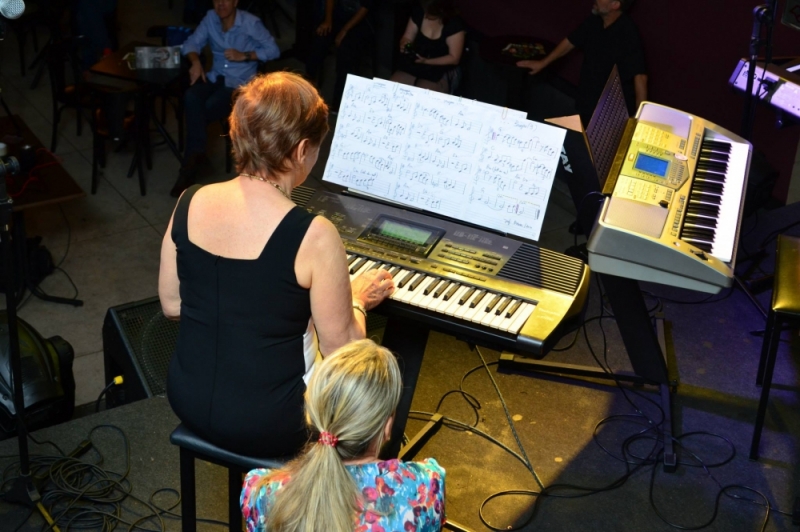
(692,47)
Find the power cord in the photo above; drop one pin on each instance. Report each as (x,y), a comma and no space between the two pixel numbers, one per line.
(117,381)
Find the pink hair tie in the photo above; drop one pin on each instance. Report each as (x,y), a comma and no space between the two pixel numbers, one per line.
(326,438)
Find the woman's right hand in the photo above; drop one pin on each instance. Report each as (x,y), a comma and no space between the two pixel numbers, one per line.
(372,287)
(403,42)
(324,28)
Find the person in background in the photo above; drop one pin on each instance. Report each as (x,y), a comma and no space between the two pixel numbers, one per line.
(238,41)
(94,22)
(338,483)
(431,46)
(607,37)
(347,24)
(260,285)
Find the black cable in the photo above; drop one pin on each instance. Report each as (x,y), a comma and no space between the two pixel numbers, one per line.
(24,520)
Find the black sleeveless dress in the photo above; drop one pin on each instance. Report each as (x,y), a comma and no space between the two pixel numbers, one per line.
(236,378)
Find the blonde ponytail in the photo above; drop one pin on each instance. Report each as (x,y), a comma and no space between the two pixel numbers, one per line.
(350,396)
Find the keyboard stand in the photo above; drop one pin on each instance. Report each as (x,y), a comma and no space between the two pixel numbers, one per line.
(649,349)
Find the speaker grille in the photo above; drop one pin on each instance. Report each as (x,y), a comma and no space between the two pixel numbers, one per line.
(543,268)
(152,339)
(301,195)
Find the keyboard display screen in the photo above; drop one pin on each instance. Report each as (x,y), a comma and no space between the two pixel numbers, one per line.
(405,232)
(651,165)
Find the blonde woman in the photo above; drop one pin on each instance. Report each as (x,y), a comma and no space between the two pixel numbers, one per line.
(256,280)
(338,484)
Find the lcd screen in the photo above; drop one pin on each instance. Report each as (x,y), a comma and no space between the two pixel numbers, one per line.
(405,232)
(651,165)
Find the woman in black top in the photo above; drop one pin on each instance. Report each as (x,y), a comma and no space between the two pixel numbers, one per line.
(431,46)
(255,280)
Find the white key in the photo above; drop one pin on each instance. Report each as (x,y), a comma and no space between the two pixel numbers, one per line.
(732,196)
(483,317)
(364,267)
(473,311)
(426,301)
(404,294)
(506,322)
(419,293)
(494,320)
(523,313)
(452,305)
(463,308)
(438,303)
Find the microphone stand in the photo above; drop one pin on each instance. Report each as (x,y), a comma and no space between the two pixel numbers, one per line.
(23,491)
(763,16)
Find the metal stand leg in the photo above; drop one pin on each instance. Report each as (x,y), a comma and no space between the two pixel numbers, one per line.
(188,503)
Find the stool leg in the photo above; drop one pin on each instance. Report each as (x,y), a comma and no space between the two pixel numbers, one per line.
(188,503)
(234,490)
(765,348)
(772,338)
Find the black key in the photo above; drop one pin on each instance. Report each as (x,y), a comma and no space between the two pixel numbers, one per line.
(716,145)
(351,259)
(394,271)
(495,300)
(705,246)
(701,209)
(357,265)
(714,155)
(477,299)
(465,297)
(406,278)
(452,291)
(714,187)
(502,306)
(432,286)
(415,284)
(699,221)
(513,308)
(442,287)
(704,199)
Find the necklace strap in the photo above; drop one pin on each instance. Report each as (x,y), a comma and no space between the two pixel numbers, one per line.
(265,180)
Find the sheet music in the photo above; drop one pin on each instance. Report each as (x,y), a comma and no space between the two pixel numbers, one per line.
(464,159)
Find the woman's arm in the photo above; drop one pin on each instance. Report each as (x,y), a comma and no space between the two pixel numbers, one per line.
(321,264)
(455,47)
(168,283)
(409,35)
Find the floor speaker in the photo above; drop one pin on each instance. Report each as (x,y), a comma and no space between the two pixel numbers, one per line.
(138,342)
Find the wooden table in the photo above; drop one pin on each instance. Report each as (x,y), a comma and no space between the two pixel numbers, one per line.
(50,184)
(150,80)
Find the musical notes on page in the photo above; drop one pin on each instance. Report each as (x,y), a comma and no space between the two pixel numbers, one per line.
(459,158)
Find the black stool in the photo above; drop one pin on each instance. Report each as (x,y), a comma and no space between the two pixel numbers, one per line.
(785,310)
(194,447)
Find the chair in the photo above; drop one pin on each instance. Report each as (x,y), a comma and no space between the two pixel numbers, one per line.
(110,121)
(193,447)
(785,310)
(61,56)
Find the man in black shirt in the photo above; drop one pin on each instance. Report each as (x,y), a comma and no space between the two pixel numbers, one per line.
(608,37)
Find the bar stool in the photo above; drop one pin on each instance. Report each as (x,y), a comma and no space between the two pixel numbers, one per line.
(193,447)
(785,310)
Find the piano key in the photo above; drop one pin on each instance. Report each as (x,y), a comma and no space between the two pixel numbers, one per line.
(466,295)
(500,319)
(494,301)
(522,316)
(452,291)
(454,301)
(404,294)
(717,145)
(420,298)
(432,286)
(351,258)
(405,278)
(520,306)
(394,270)
(442,288)
(473,307)
(414,284)
(730,208)
(513,308)
(502,306)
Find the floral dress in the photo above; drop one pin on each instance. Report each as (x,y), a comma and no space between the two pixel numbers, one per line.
(396,496)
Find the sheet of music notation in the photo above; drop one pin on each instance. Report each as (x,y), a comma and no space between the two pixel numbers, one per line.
(468,160)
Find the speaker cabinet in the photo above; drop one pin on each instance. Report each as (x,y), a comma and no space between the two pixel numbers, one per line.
(138,342)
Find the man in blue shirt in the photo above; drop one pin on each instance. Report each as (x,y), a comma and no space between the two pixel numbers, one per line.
(238,41)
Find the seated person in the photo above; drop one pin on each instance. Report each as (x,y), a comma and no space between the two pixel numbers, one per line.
(259,284)
(339,483)
(431,46)
(345,23)
(238,42)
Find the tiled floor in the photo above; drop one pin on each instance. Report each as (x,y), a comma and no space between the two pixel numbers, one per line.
(112,239)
